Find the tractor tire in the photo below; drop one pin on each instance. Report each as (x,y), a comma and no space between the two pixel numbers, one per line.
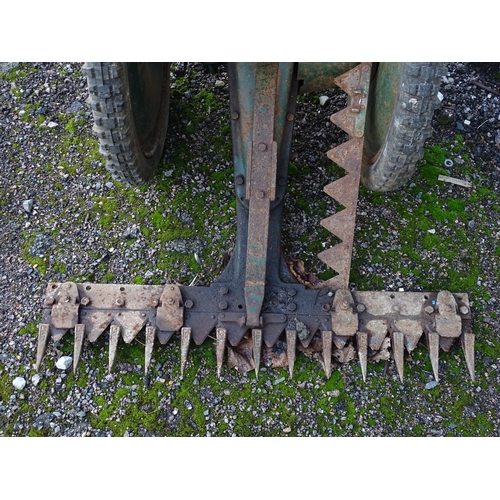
(402,101)
(130,103)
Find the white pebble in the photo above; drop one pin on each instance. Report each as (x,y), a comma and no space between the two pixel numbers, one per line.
(52,124)
(432,231)
(323,99)
(466,122)
(35,379)
(64,362)
(19,383)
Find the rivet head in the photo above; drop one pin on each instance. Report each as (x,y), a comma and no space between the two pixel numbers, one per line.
(85,301)
(223,290)
(153,303)
(361,308)
(429,309)
(240,180)
(290,117)
(262,146)
(189,304)
(170,301)
(235,115)
(223,305)
(344,305)
(120,302)
(261,195)
(326,307)
(291,307)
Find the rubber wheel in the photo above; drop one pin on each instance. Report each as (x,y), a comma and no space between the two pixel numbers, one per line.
(401,104)
(130,103)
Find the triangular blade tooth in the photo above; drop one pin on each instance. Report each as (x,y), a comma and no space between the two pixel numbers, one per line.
(131,323)
(339,259)
(43,337)
(148,351)
(350,81)
(79,336)
(185,338)
(340,224)
(345,120)
(433,346)
(291,342)
(398,348)
(257,346)
(348,155)
(114,335)
(327,352)
(221,336)
(362,340)
(341,190)
(468,348)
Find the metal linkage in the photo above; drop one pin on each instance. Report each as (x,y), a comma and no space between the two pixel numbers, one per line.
(377,325)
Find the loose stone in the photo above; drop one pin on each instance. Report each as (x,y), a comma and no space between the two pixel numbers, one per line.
(64,362)
(19,383)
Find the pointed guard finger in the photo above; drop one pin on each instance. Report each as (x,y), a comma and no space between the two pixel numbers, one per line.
(398,347)
(114,335)
(468,348)
(185,338)
(327,352)
(77,352)
(362,340)
(148,354)
(257,346)
(433,346)
(221,336)
(43,337)
(291,342)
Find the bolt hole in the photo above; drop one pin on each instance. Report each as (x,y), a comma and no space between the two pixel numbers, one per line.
(122,289)
(392,296)
(426,297)
(88,288)
(54,287)
(240,306)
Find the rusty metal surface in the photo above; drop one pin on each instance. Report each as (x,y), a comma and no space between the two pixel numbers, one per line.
(345,190)
(261,188)
(377,322)
(316,76)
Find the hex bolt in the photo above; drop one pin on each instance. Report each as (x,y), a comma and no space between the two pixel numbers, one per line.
(170,301)
(429,309)
(85,301)
(262,146)
(120,302)
(464,310)
(223,290)
(291,307)
(189,304)
(291,292)
(240,180)
(282,181)
(326,307)
(261,195)
(49,301)
(361,308)
(223,305)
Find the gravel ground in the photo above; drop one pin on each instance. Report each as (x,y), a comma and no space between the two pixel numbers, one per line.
(60,220)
